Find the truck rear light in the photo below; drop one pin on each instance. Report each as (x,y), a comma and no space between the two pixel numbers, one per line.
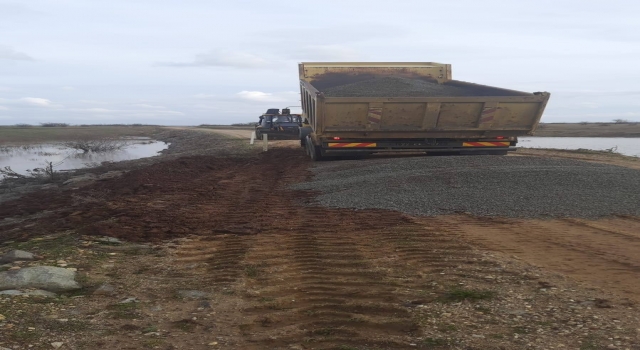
(500,137)
(336,138)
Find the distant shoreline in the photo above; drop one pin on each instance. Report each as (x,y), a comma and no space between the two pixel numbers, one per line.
(629,130)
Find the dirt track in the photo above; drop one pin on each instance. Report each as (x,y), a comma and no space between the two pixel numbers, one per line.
(293,276)
(601,253)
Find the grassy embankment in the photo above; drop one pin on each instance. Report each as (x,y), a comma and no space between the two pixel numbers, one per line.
(38,134)
(588,130)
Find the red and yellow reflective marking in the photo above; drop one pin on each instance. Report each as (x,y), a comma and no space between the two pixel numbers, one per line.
(486,144)
(354,145)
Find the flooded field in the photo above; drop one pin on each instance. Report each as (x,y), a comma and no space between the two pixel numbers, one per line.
(622,145)
(66,156)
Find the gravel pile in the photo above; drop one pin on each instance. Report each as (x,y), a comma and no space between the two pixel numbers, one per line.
(405,87)
(479,185)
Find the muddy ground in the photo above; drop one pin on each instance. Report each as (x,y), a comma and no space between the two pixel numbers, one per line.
(222,254)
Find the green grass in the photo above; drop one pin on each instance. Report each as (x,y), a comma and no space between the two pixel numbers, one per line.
(150,329)
(69,326)
(126,311)
(13,135)
(520,330)
(430,343)
(462,294)
(346,347)
(52,247)
(153,343)
(590,343)
(185,325)
(252,271)
(324,331)
(24,335)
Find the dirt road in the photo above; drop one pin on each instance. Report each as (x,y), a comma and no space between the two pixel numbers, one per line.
(600,253)
(285,274)
(234,133)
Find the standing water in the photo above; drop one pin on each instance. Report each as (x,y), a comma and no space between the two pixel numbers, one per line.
(622,145)
(23,158)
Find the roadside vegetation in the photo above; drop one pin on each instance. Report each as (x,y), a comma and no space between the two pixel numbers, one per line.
(23,134)
(615,128)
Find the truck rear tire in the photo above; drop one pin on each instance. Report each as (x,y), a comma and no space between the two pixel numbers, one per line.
(315,152)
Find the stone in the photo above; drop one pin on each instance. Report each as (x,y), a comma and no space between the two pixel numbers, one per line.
(193,294)
(129,301)
(16,255)
(110,175)
(110,240)
(105,289)
(2,317)
(50,278)
(11,292)
(40,293)
(57,345)
(81,180)
(204,305)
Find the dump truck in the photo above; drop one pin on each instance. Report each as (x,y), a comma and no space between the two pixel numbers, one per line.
(357,108)
(279,125)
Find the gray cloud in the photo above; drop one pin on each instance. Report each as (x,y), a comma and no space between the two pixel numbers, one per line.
(223,63)
(11,10)
(8,53)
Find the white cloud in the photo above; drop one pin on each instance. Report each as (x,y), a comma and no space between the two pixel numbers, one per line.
(259,96)
(3,108)
(97,110)
(8,53)
(225,58)
(144,105)
(68,88)
(93,102)
(204,95)
(36,101)
(326,53)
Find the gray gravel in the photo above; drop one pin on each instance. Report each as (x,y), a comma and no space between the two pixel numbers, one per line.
(479,185)
(405,87)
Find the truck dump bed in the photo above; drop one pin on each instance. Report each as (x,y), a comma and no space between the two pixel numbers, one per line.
(377,101)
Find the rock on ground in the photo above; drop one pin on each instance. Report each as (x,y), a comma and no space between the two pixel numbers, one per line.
(16,255)
(193,294)
(105,289)
(81,180)
(54,279)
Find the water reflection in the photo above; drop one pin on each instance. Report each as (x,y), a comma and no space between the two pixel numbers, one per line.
(622,145)
(23,158)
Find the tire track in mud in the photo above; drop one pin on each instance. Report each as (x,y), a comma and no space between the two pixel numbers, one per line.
(319,289)
(332,290)
(602,253)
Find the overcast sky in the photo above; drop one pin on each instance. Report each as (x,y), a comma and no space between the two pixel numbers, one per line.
(209,61)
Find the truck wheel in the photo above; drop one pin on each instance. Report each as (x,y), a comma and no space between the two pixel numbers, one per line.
(315,152)
(302,143)
(258,135)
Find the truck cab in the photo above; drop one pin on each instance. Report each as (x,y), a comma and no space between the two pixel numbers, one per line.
(279,125)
